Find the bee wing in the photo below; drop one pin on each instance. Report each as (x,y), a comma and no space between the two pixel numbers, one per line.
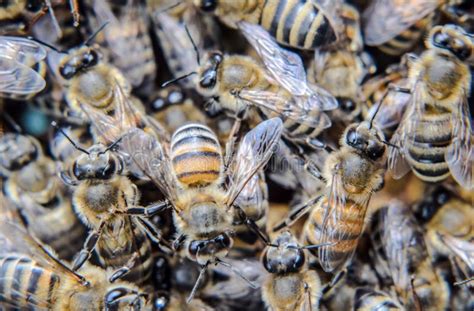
(254,151)
(124,42)
(385,19)
(334,230)
(21,50)
(286,67)
(20,241)
(396,157)
(281,105)
(461,248)
(460,156)
(18,79)
(151,158)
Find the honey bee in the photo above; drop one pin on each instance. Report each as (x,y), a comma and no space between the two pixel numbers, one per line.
(191,175)
(434,137)
(279,88)
(289,286)
(396,26)
(33,278)
(130,47)
(304,25)
(353,173)
(19,57)
(344,65)
(402,253)
(32,185)
(369,299)
(108,204)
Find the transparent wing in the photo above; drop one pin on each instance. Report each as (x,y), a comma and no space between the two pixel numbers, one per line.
(151,158)
(17,239)
(406,130)
(344,233)
(461,248)
(384,19)
(124,42)
(287,108)
(18,79)
(254,152)
(21,50)
(460,156)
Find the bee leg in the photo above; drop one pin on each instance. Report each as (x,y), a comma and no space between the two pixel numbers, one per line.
(296,214)
(153,233)
(67,179)
(229,146)
(121,272)
(88,247)
(396,88)
(177,243)
(252,225)
(150,210)
(307,290)
(337,279)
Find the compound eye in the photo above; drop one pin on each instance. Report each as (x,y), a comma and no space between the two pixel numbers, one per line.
(299,260)
(67,71)
(224,240)
(347,105)
(351,137)
(208,79)
(217,58)
(77,171)
(109,171)
(90,59)
(208,5)
(112,296)
(441,39)
(194,248)
(375,151)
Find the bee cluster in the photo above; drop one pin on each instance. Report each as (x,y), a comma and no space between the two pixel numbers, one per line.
(236,155)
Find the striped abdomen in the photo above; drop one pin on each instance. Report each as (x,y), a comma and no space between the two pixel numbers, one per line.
(427,146)
(196,155)
(367,299)
(24,284)
(406,40)
(343,232)
(116,252)
(298,23)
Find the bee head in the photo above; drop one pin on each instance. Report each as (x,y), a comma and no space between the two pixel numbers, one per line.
(98,163)
(124,298)
(428,207)
(284,256)
(17,151)
(369,141)
(83,59)
(204,251)
(207,6)
(452,38)
(208,77)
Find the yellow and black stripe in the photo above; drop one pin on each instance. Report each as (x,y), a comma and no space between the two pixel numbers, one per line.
(368,299)
(406,40)
(297,23)
(24,284)
(196,155)
(427,146)
(344,234)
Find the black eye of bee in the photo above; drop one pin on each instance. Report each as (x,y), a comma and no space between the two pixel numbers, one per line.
(352,138)
(34,5)
(108,172)
(347,105)
(90,59)
(441,40)
(78,172)
(375,151)
(114,295)
(194,247)
(67,71)
(217,58)
(208,5)
(209,78)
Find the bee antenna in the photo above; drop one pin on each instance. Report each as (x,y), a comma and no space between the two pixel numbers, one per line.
(46,44)
(111,146)
(12,123)
(55,125)
(91,37)
(178,79)
(466,281)
(201,275)
(237,272)
(389,144)
(378,109)
(313,245)
(198,58)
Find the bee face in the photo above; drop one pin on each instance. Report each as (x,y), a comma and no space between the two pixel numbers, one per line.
(282,259)
(81,60)
(120,297)
(453,39)
(98,164)
(17,151)
(208,77)
(363,139)
(206,250)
